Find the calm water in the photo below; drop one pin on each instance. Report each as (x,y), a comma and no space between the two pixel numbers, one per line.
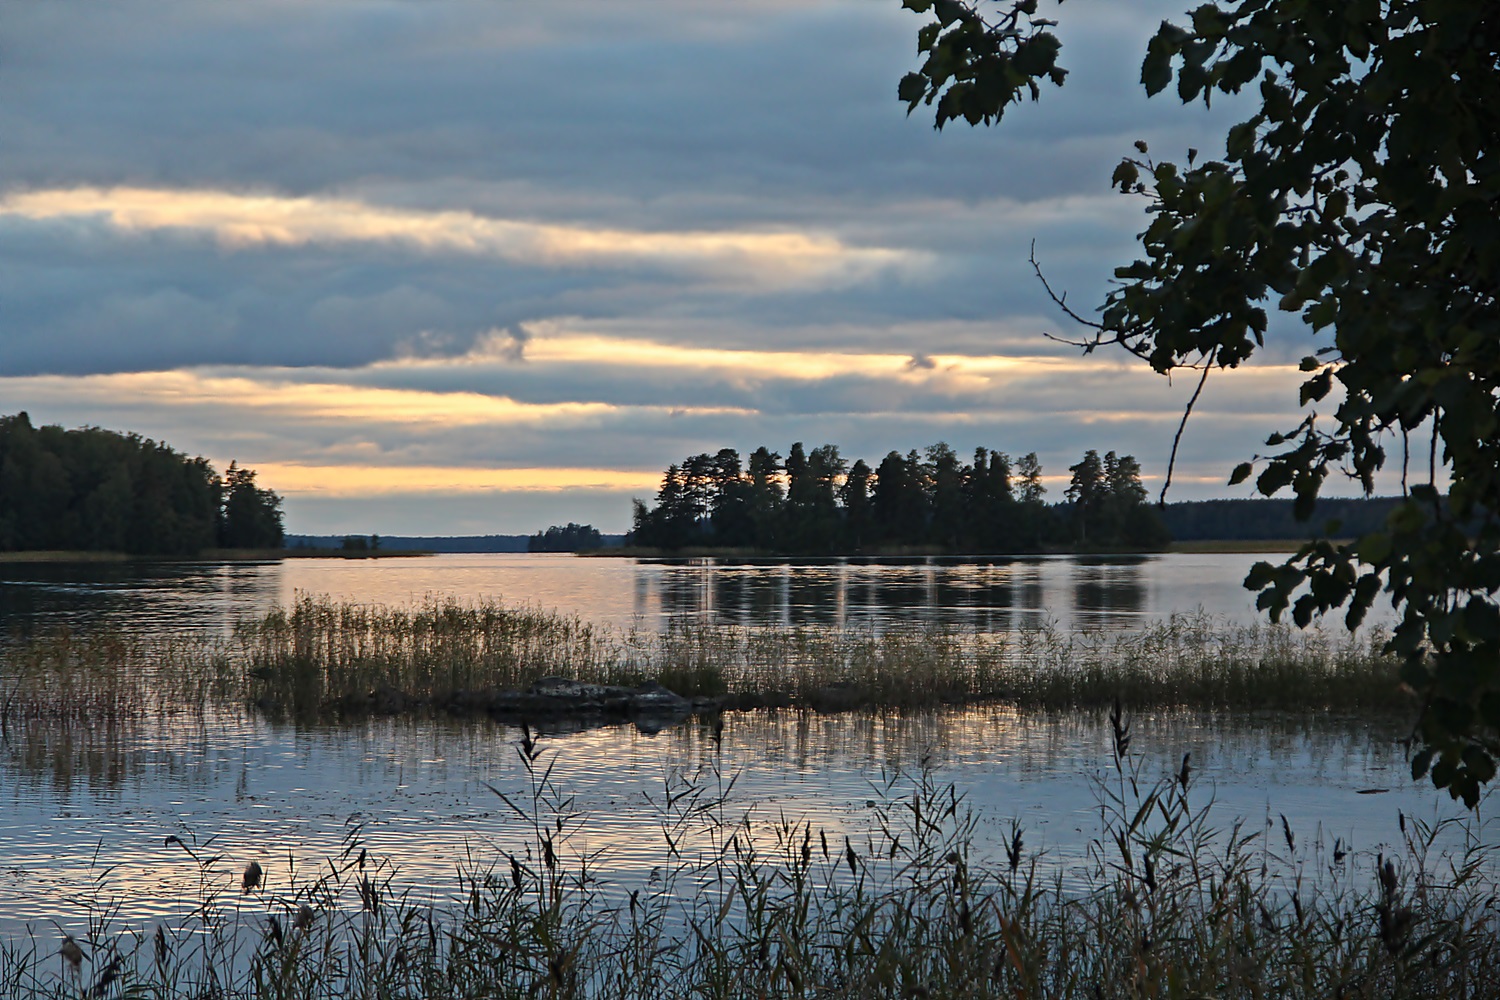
(1109,593)
(84,813)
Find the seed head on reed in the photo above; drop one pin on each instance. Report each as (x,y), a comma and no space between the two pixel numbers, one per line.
(251,879)
(71,953)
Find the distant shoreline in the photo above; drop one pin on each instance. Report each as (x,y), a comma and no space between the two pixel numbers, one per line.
(1202,546)
(212,555)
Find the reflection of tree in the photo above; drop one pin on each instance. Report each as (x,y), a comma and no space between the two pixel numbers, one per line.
(1110,593)
(814,596)
(985,597)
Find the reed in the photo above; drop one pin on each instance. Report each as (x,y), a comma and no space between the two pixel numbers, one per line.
(1172,901)
(70,677)
(321,659)
(320,656)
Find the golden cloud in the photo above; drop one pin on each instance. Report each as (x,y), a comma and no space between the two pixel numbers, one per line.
(240,221)
(376,480)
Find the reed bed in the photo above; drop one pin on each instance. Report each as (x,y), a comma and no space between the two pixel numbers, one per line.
(321,659)
(1176,903)
(68,677)
(321,653)
(319,656)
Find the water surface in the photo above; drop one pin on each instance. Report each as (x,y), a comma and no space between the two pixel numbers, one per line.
(85,813)
(996,595)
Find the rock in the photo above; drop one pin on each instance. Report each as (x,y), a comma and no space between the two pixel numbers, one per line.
(386,700)
(652,697)
(750,700)
(839,697)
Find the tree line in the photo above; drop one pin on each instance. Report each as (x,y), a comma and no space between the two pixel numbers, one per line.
(816,502)
(97,490)
(1260,518)
(572,538)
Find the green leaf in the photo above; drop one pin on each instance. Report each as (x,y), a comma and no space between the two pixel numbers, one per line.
(1374,548)
(1260,576)
(1316,387)
(1156,70)
(1241,473)
(913,88)
(1421,763)
(1274,477)
(1125,176)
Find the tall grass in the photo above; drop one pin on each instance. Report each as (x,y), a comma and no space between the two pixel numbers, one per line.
(64,676)
(322,659)
(1175,903)
(320,656)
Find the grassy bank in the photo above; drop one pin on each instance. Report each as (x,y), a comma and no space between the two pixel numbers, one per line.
(1217,546)
(1172,901)
(321,659)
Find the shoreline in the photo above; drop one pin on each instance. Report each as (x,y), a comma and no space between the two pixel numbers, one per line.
(1206,546)
(206,555)
(1194,547)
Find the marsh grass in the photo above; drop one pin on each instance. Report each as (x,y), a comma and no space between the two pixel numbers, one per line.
(65,676)
(319,652)
(320,655)
(321,659)
(1174,903)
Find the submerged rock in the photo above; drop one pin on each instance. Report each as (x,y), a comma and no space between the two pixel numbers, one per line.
(651,707)
(841,696)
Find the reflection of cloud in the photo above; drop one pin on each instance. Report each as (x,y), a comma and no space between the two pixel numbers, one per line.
(241,221)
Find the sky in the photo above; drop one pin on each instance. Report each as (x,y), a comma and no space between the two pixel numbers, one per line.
(440,267)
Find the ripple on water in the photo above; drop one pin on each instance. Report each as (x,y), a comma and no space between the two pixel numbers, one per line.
(293,797)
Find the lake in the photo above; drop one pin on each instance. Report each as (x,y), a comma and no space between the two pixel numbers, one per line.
(85,812)
(1119,592)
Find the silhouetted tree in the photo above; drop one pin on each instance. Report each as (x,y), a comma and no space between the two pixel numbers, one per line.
(250,517)
(766,497)
(97,490)
(854,495)
(571,538)
(944,480)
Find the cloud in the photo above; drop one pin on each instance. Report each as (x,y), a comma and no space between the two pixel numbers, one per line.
(342,240)
(350,480)
(241,222)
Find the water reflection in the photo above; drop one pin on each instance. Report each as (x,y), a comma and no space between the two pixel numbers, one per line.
(420,789)
(1110,593)
(137,594)
(993,595)
(988,596)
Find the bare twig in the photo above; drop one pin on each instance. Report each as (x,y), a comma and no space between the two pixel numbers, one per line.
(1187,411)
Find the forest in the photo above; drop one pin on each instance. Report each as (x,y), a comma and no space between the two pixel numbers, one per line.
(96,490)
(570,538)
(817,503)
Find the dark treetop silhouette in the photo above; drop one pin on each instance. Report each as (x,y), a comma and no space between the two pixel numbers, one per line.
(97,490)
(816,503)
